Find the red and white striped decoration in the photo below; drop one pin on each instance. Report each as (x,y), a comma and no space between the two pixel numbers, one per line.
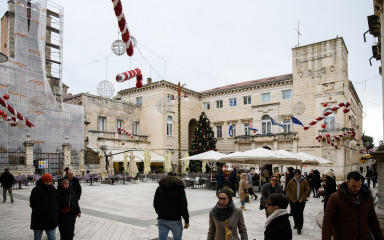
(14,112)
(121,130)
(129,75)
(8,119)
(350,132)
(123,26)
(343,104)
(320,138)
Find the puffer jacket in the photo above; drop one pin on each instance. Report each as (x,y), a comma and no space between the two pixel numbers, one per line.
(170,201)
(43,202)
(344,220)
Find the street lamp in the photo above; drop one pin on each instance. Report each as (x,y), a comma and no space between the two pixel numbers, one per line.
(179,88)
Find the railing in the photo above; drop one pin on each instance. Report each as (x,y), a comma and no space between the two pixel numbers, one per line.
(12,156)
(266,137)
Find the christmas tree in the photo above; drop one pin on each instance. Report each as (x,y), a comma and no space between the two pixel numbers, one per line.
(203,139)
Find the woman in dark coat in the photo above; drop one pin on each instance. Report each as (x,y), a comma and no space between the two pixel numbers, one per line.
(65,197)
(329,186)
(316,182)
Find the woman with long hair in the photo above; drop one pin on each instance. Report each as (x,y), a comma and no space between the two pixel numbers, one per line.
(243,189)
(329,186)
(225,219)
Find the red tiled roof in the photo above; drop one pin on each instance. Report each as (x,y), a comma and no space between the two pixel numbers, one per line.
(252,82)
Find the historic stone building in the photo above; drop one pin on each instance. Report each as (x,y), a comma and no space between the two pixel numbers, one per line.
(319,78)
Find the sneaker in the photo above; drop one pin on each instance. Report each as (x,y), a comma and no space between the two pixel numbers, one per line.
(12,200)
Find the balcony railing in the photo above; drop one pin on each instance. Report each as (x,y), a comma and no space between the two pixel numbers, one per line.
(100,135)
(266,137)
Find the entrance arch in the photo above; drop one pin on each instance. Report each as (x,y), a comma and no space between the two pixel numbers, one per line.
(191,128)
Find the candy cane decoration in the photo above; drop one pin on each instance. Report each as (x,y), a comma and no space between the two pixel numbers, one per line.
(5,118)
(322,138)
(122,77)
(14,112)
(123,26)
(120,130)
(350,132)
(347,108)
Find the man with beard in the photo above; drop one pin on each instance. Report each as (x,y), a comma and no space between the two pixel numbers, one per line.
(350,213)
(277,225)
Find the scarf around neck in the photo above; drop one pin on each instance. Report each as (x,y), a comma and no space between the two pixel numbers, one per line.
(222,213)
(275,214)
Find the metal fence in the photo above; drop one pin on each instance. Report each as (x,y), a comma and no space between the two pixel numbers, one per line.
(55,162)
(91,157)
(12,156)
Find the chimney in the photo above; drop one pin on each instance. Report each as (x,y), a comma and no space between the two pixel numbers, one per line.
(149,80)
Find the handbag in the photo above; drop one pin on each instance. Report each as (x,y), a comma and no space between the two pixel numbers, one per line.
(68,208)
(245,190)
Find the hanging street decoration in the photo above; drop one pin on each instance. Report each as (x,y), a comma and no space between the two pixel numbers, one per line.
(350,132)
(14,112)
(122,131)
(328,112)
(320,138)
(122,77)
(118,8)
(328,137)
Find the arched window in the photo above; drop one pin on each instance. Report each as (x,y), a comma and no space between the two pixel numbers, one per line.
(266,125)
(329,120)
(169,126)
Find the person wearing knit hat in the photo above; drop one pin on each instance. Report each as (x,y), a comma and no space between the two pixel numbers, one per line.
(225,219)
(44,208)
(329,186)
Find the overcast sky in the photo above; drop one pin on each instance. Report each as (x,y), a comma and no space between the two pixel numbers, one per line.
(211,43)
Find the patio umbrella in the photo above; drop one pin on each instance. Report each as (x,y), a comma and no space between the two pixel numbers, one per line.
(203,168)
(110,165)
(132,166)
(81,162)
(186,162)
(103,171)
(313,160)
(147,162)
(168,162)
(125,164)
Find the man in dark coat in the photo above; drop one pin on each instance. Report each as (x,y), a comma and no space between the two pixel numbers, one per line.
(350,213)
(220,181)
(232,181)
(170,203)
(44,208)
(7,180)
(74,183)
(277,225)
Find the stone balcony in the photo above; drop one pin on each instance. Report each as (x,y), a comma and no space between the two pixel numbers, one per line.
(280,137)
(102,135)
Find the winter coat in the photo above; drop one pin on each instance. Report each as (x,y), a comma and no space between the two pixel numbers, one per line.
(292,190)
(344,220)
(288,178)
(316,179)
(220,178)
(235,224)
(232,178)
(249,179)
(310,179)
(279,229)
(266,191)
(7,179)
(44,206)
(63,201)
(329,187)
(76,187)
(243,185)
(170,201)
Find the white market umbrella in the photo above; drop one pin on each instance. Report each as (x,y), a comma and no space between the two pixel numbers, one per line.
(81,162)
(203,168)
(313,160)
(147,162)
(110,165)
(125,164)
(132,170)
(103,171)
(168,162)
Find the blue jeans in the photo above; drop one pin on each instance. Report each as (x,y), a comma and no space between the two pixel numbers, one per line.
(243,202)
(176,228)
(51,233)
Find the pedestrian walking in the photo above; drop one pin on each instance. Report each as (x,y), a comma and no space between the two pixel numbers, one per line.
(68,211)
(267,190)
(298,191)
(310,180)
(220,181)
(170,203)
(329,186)
(74,183)
(7,181)
(250,184)
(283,181)
(243,189)
(350,212)
(277,226)
(361,169)
(316,182)
(44,206)
(225,220)
(233,181)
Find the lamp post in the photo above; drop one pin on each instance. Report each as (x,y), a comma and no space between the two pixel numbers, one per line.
(179,88)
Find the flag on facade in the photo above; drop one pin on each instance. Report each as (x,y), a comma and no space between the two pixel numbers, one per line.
(251,127)
(275,123)
(296,121)
(230,129)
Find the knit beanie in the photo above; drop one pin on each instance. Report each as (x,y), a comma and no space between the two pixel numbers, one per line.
(46,178)
(228,192)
